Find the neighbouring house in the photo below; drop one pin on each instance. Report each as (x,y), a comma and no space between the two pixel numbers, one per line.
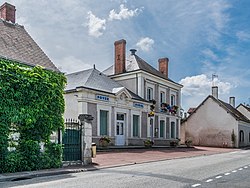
(121,109)
(16,44)
(217,123)
(245,110)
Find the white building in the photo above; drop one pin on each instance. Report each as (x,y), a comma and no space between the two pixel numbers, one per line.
(120,103)
(214,123)
(244,109)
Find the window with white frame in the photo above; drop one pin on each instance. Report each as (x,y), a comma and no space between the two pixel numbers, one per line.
(149,93)
(104,122)
(172,129)
(172,100)
(162,128)
(162,97)
(136,125)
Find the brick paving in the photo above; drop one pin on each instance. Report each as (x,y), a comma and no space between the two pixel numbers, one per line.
(118,158)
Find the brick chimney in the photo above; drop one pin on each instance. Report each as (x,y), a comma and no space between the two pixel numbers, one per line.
(120,56)
(163,66)
(8,12)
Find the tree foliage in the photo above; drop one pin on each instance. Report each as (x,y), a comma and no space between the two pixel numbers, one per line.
(31,104)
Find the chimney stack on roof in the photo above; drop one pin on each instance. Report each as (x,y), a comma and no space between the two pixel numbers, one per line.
(215,92)
(8,12)
(232,101)
(163,66)
(133,51)
(120,56)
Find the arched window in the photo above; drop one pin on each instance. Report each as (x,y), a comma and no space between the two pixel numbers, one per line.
(241,136)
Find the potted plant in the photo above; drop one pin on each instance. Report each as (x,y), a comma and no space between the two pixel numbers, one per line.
(188,142)
(148,143)
(173,143)
(104,141)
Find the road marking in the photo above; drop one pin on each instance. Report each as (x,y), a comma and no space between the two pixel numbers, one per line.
(196,185)
(245,166)
(217,177)
(226,174)
(243,151)
(234,171)
(209,180)
(241,169)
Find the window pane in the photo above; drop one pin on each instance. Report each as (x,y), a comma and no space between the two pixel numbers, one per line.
(172,129)
(162,128)
(172,100)
(162,97)
(103,122)
(149,93)
(135,125)
(120,117)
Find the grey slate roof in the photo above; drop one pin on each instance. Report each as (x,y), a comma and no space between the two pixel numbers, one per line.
(233,111)
(94,79)
(133,63)
(16,44)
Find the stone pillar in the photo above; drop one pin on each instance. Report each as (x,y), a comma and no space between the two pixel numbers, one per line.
(86,122)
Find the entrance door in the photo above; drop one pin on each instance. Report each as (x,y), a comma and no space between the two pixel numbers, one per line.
(120,127)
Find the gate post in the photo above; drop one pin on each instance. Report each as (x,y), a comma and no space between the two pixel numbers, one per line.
(86,143)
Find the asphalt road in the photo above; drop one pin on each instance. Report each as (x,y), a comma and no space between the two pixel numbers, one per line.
(221,170)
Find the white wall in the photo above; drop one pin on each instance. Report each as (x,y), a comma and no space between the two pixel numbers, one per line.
(71,106)
(210,125)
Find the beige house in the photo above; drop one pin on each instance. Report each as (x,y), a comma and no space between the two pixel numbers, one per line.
(150,84)
(120,100)
(217,123)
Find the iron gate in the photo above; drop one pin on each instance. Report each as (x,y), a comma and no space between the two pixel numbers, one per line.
(71,141)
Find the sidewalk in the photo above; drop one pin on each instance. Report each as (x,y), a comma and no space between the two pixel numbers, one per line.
(121,157)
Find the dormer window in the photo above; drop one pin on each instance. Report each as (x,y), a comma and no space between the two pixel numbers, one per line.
(149,93)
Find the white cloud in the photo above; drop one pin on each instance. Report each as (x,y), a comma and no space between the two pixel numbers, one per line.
(95,25)
(243,36)
(210,54)
(124,13)
(71,64)
(145,44)
(200,85)
(197,88)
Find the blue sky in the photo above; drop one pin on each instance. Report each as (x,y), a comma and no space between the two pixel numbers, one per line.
(200,37)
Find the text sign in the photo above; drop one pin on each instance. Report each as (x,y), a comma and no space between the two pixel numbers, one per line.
(102,98)
(138,105)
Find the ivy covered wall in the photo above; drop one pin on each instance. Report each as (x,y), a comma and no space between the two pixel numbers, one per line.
(31,106)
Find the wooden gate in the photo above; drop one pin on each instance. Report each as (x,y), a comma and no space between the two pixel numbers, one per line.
(71,140)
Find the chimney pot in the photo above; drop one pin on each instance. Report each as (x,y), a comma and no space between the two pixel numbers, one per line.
(163,66)
(8,12)
(232,101)
(133,51)
(120,56)
(215,92)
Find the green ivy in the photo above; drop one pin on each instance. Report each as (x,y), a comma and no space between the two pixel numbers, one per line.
(31,101)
